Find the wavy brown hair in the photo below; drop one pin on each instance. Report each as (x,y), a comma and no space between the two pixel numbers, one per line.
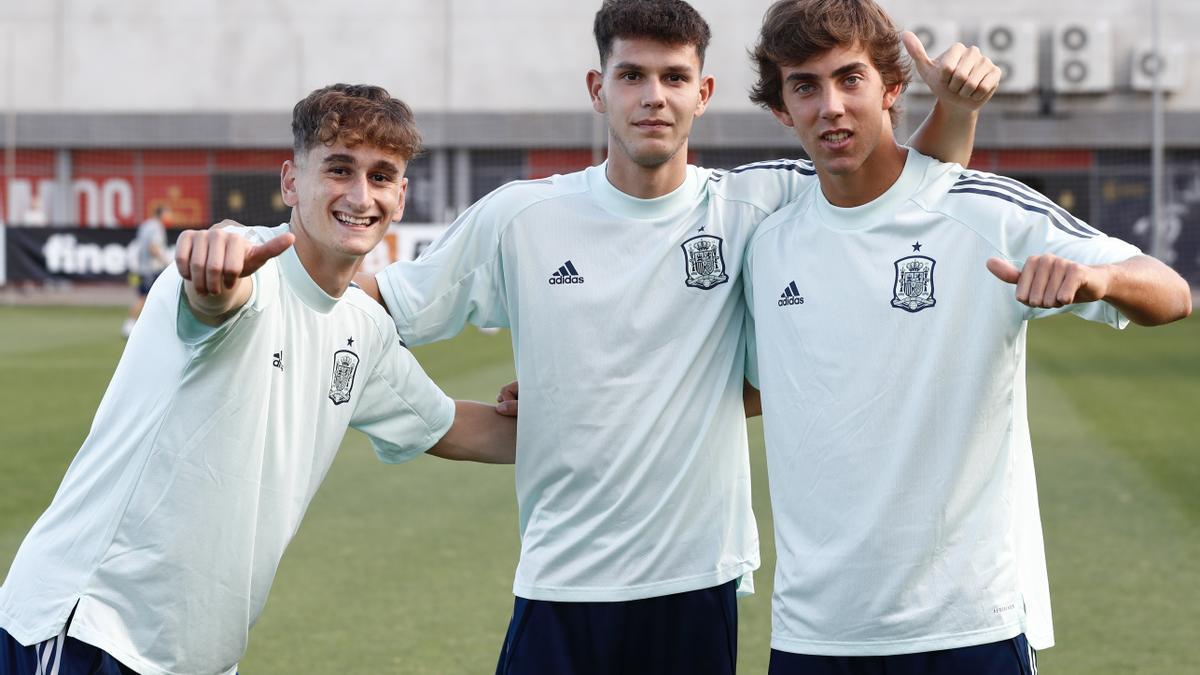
(354,114)
(795,31)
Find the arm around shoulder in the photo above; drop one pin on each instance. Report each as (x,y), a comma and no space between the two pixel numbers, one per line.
(963,80)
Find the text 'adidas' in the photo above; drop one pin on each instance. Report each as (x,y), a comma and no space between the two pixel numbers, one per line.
(790,296)
(567,274)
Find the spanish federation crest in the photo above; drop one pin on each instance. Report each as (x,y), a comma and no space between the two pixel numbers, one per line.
(345,363)
(704,261)
(913,290)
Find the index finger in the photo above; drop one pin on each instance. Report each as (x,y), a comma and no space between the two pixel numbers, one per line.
(183,254)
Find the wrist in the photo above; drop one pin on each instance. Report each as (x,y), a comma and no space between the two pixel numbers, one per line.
(1104,280)
(957,112)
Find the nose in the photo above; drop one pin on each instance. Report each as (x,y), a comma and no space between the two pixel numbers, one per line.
(832,105)
(653,94)
(358,193)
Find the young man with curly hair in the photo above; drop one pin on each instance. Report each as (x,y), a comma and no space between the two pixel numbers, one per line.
(229,403)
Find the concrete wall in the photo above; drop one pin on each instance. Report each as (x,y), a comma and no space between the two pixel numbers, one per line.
(503,56)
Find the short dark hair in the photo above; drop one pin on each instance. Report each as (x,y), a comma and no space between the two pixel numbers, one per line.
(795,31)
(354,114)
(673,22)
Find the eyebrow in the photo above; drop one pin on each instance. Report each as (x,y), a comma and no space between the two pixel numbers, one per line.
(848,68)
(382,164)
(627,65)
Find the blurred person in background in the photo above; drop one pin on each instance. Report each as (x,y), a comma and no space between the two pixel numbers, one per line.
(150,256)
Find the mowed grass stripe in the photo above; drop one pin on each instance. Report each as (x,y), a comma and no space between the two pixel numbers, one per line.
(1115,431)
(56,363)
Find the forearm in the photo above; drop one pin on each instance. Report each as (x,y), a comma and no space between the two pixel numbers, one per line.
(479,434)
(1147,291)
(948,134)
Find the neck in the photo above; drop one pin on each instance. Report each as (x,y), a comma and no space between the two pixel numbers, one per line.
(878,172)
(332,272)
(645,182)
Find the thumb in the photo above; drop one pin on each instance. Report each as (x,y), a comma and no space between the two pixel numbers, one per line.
(1003,270)
(258,256)
(916,50)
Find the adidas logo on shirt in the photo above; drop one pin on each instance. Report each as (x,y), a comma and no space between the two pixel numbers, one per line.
(567,274)
(790,296)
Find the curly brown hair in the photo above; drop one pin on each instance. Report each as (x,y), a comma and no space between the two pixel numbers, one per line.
(673,22)
(354,114)
(795,31)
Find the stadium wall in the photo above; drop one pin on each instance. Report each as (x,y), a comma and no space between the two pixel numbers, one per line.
(450,56)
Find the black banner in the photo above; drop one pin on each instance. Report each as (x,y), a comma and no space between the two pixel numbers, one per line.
(73,253)
(250,199)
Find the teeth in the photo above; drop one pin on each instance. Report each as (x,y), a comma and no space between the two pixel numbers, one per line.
(837,137)
(351,220)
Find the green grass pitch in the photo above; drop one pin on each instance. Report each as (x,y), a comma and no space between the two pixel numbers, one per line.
(408,569)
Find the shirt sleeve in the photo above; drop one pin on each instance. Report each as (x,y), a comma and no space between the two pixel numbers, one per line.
(457,279)
(768,185)
(401,410)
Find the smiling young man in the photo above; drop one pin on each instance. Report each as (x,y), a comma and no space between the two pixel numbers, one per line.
(621,285)
(228,405)
(889,346)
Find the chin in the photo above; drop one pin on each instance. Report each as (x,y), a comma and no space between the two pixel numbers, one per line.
(842,166)
(650,157)
(359,246)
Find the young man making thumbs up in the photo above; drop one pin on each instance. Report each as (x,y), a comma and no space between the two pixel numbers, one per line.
(225,412)
(891,367)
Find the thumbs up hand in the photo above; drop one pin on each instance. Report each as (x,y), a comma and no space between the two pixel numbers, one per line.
(1051,281)
(961,77)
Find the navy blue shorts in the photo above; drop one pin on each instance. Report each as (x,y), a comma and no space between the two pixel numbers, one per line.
(1008,657)
(61,655)
(693,633)
(145,281)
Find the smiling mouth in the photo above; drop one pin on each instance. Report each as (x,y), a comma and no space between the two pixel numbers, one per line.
(835,136)
(354,221)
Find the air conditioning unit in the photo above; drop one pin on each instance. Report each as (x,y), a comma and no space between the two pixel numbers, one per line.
(1082,57)
(937,36)
(1170,63)
(1013,46)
